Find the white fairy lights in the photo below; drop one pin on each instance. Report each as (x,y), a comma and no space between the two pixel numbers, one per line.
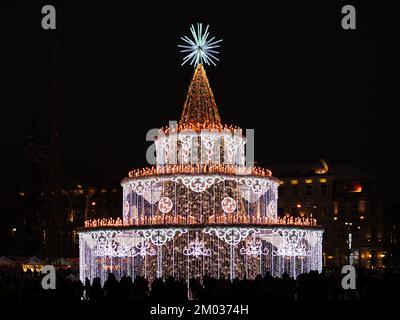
(200,210)
(197,248)
(228,251)
(228,204)
(200,49)
(165,205)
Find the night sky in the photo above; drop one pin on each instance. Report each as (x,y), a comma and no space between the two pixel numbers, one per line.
(309,88)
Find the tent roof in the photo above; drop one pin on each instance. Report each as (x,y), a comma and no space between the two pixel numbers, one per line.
(61,262)
(33,260)
(4,261)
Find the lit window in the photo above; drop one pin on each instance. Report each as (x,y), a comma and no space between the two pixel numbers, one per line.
(322,180)
(308,180)
(294,181)
(354,187)
(71,217)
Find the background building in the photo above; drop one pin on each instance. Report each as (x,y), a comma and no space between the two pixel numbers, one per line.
(346,201)
(29,233)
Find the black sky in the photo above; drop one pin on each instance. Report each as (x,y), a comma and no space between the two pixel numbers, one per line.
(309,88)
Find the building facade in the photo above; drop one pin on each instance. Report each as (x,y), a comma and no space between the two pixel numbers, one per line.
(59,238)
(345,200)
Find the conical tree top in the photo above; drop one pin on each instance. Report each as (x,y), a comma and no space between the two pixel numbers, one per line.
(200,107)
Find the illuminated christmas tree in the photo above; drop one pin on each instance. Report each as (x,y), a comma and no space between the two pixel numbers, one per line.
(200,106)
(200,210)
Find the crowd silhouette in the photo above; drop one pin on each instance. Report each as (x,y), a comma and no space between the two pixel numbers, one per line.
(371,285)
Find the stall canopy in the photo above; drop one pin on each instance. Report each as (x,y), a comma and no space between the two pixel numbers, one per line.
(33,264)
(6,262)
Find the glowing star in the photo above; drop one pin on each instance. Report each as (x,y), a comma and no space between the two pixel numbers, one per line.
(200,49)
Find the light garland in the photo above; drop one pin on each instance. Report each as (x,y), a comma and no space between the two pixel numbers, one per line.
(231,251)
(200,210)
(200,127)
(207,146)
(199,168)
(214,219)
(104,222)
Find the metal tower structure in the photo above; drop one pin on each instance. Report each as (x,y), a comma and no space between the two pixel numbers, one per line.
(54,236)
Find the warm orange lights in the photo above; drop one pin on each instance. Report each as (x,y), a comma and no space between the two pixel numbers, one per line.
(362,217)
(200,126)
(191,220)
(294,181)
(200,168)
(103,223)
(200,106)
(298,205)
(354,188)
(322,180)
(308,180)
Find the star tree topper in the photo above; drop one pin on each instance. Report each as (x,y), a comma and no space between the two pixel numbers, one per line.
(200,50)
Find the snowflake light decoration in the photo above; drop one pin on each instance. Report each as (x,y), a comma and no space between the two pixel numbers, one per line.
(253,248)
(165,205)
(197,248)
(200,50)
(144,249)
(228,204)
